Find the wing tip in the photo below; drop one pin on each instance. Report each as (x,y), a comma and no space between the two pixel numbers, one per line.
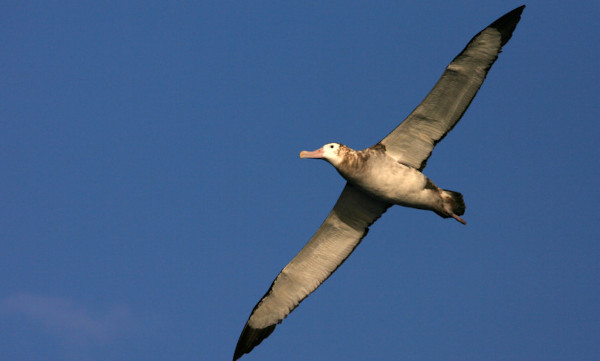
(250,338)
(507,23)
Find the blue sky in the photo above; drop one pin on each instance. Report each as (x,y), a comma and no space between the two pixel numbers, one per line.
(151,188)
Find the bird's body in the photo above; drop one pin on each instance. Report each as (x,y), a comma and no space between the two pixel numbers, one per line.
(388,173)
(389,180)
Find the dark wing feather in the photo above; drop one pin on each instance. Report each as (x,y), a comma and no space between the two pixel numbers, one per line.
(338,236)
(414,139)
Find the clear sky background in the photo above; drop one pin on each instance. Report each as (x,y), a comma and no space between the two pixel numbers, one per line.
(151,190)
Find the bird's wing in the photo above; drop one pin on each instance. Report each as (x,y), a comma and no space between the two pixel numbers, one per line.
(413,140)
(334,241)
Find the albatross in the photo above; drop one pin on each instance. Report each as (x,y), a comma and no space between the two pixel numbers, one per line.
(388,173)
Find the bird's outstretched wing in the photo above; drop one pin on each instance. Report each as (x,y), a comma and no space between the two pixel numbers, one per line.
(414,139)
(340,233)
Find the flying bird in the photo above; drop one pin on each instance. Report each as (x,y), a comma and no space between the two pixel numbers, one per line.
(378,177)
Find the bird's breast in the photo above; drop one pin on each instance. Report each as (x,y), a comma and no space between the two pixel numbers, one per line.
(388,179)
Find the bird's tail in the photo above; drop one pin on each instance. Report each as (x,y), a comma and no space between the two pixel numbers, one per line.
(454,205)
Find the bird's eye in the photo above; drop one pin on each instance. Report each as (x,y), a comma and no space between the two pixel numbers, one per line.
(331,146)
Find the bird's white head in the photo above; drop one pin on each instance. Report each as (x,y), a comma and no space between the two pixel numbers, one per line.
(331,152)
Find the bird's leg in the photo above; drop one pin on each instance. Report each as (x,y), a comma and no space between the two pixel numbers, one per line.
(459,219)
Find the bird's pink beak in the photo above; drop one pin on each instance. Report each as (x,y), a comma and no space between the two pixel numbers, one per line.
(314,154)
